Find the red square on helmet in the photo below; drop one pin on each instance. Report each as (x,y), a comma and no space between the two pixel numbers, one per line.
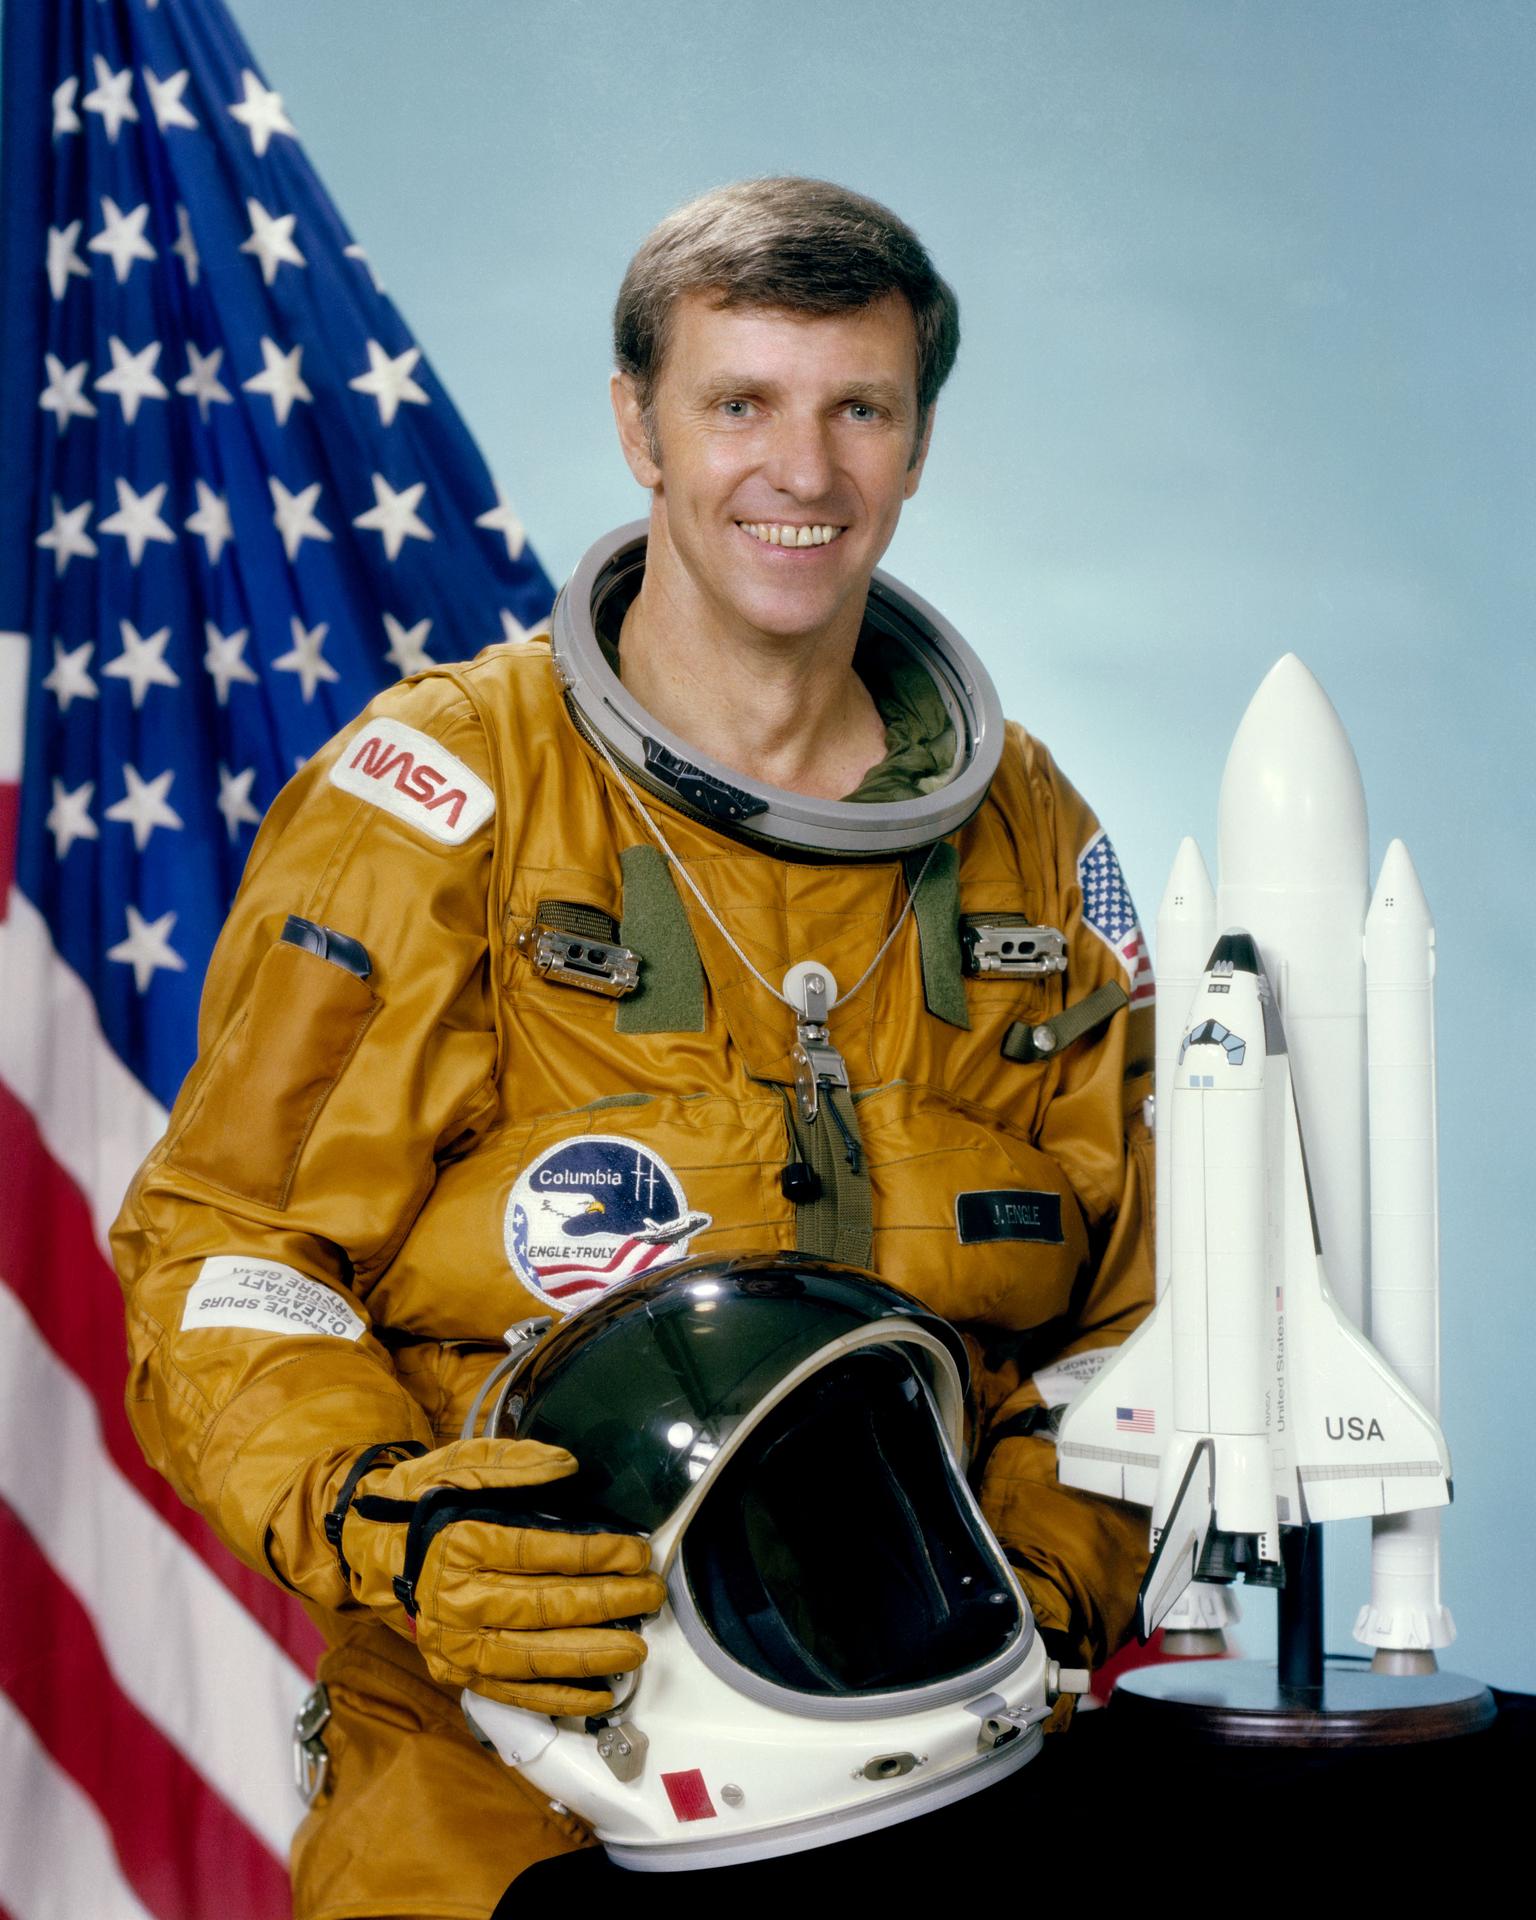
(689,1795)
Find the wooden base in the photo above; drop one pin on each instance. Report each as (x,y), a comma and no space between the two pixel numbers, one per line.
(1240,1703)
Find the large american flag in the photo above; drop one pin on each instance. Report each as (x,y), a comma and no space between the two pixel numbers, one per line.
(236,502)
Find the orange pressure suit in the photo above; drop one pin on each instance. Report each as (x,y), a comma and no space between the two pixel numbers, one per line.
(370,1133)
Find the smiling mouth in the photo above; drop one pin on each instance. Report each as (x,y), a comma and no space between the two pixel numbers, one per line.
(778,533)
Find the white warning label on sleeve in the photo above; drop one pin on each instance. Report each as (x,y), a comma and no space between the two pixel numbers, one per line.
(266,1297)
(1061,1382)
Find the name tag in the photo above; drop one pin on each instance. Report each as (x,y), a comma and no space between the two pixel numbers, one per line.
(1008,1213)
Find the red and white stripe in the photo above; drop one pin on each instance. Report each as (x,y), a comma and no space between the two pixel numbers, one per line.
(147,1681)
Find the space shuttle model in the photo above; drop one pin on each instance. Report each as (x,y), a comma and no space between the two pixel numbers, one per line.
(1296,1155)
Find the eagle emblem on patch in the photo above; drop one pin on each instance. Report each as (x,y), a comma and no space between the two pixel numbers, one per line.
(592,1212)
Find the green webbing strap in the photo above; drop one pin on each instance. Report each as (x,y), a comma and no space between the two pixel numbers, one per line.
(1026,1042)
(838,1223)
(670,996)
(573,916)
(936,909)
(855,1219)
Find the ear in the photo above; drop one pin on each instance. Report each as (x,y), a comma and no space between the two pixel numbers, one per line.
(634,433)
(915,471)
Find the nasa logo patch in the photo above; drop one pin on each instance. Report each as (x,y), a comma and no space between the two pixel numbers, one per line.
(592,1212)
(415,778)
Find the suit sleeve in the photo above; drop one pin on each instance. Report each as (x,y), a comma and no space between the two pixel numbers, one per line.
(307,1136)
(1081,1557)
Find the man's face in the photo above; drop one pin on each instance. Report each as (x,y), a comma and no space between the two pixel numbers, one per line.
(779,455)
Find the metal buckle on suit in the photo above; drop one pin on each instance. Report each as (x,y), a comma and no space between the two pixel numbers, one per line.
(311,1762)
(578,960)
(1010,947)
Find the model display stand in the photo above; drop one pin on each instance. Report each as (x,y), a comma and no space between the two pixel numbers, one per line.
(1302,1698)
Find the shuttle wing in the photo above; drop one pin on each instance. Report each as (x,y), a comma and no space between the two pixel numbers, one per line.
(1114,1434)
(1360,1441)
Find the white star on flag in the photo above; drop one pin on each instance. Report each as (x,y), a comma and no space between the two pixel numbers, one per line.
(395,517)
(133,378)
(165,97)
(63,395)
(271,240)
(226,661)
(67,536)
(141,663)
(65,119)
(501,519)
(147,948)
(201,380)
(145,807)
(235,799)
(355,252)
(261,113)
(511,627)
(279,379)
(64,258)
(211,523)
(303,657)
(122,237)
(389,381)
(186,246)
(407,651)
(70,676)
(294,515)
(110,97)
(138,520)
(69,818)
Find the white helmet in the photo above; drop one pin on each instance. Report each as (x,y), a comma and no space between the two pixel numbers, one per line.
(844,1645)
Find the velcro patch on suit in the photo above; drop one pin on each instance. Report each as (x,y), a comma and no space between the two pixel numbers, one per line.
(263,1296)
(1060,1383)
(408,774)
(1008,1213)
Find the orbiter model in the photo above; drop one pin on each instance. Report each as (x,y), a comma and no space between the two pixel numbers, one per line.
(1247,1401)
(1295,1124)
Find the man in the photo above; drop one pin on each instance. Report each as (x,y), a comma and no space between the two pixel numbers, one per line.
(434,1100)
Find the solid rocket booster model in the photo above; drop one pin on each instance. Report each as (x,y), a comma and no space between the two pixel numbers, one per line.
(1405,1619)
(1247,1401)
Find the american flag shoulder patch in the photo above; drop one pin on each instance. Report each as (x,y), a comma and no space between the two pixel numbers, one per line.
(1110,911)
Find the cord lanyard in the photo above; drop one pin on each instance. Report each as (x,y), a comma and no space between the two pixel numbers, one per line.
(809,990)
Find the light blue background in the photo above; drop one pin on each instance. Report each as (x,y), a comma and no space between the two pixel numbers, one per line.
(1248,299)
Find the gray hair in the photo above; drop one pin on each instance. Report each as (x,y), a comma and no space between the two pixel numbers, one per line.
(807,246)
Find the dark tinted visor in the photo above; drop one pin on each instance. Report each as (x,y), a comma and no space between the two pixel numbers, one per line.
(646,1385)
(837,1553)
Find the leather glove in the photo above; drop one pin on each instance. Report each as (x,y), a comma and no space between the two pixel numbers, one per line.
(450,1547)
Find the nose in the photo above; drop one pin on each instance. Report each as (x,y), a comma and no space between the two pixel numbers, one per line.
(800,461)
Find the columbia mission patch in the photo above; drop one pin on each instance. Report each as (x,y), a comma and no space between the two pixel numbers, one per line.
(592,1212)
(1110,911)
(1008,1213)
(408,774)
